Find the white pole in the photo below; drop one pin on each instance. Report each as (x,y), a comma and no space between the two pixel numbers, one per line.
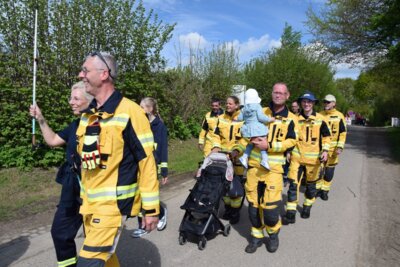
(34,77)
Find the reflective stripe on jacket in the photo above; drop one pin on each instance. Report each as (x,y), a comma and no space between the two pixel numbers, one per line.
(337,125)
(281,137)
(227,132)
(314,137)
(126,179)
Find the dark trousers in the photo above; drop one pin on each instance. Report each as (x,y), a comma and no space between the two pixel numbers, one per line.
(66,224)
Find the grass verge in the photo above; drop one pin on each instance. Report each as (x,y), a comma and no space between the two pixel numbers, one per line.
(394,137)
(24,193)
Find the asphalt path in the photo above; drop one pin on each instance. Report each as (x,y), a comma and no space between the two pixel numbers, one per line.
(358,226)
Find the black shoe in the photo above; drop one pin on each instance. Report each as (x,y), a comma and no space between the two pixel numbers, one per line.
(324,195)
(235,217)
(273,242)
(253,245)
(318,194)
(305,214)
(290,216)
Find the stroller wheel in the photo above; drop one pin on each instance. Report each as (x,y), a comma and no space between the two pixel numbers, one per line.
(202,243)
(182,239)
(227,229)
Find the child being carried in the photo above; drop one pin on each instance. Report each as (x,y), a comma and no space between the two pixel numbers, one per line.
(253,126)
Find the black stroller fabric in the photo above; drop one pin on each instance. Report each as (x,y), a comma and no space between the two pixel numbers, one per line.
(202,204)
(210,187)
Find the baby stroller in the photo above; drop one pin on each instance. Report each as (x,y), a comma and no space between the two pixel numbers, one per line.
(202,205)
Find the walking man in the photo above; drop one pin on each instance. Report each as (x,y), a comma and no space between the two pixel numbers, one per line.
(337,126)
(119,174)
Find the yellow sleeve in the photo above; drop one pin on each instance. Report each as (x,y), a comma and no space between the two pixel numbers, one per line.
(147,176)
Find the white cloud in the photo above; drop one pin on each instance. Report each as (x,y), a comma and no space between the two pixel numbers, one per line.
(253,46)
(193,40)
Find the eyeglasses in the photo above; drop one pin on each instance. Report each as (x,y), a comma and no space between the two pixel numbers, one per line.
(327,102)
(98,54)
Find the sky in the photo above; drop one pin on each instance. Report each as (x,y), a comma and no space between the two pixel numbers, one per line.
(250,26)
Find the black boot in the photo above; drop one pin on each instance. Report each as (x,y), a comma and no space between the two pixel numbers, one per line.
(290,217)
(273,242)
(228,212)
(235,216)
(253,245)
(324,195)
(305,214)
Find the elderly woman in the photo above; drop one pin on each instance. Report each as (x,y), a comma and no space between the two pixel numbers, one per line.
(67,219)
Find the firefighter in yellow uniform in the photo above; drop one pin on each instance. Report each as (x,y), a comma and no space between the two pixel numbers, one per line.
(208,127)
(311,149)
(264,187)
(338,129)
(225,136)
(119,174)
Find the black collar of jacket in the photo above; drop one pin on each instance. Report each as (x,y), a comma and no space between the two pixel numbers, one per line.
(109,106)
(283,113)
(306,117)
(216,114)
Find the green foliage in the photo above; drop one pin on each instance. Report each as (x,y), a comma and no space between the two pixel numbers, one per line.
(349,28)
(301,68)
(67,32)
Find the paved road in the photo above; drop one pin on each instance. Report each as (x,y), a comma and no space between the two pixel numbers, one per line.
(358,226)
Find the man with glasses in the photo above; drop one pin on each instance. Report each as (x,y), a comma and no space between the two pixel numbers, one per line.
(311,150)
(264,187)
(119,174)
(337,125)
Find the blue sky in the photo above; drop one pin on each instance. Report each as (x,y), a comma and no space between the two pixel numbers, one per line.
(250,26)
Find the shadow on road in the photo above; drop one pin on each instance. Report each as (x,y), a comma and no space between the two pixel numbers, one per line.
(137,251)
(13,250)
(361,139)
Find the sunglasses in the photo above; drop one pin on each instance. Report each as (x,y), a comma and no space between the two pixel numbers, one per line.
(327,102)
(98,54)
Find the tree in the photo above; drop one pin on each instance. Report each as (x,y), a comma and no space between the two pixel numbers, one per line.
(300,67)
(67,32)
(354,29)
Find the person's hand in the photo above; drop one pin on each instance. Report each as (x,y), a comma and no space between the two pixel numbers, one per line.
(324,156)
(35,112)
(149,223)
(215,150)
(200,146)
(234,154)
(272,119)
(338,151)
(260,142)
(164,180)
(288,156)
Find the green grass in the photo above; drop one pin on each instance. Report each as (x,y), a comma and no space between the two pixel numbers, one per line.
(24,193)
(394,137)
(183,156)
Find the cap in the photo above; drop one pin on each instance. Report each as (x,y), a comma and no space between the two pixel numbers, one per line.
(330,98)
(251,97)
(308,95)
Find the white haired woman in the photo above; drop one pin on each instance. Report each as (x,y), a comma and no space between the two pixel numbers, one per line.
(67,219)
